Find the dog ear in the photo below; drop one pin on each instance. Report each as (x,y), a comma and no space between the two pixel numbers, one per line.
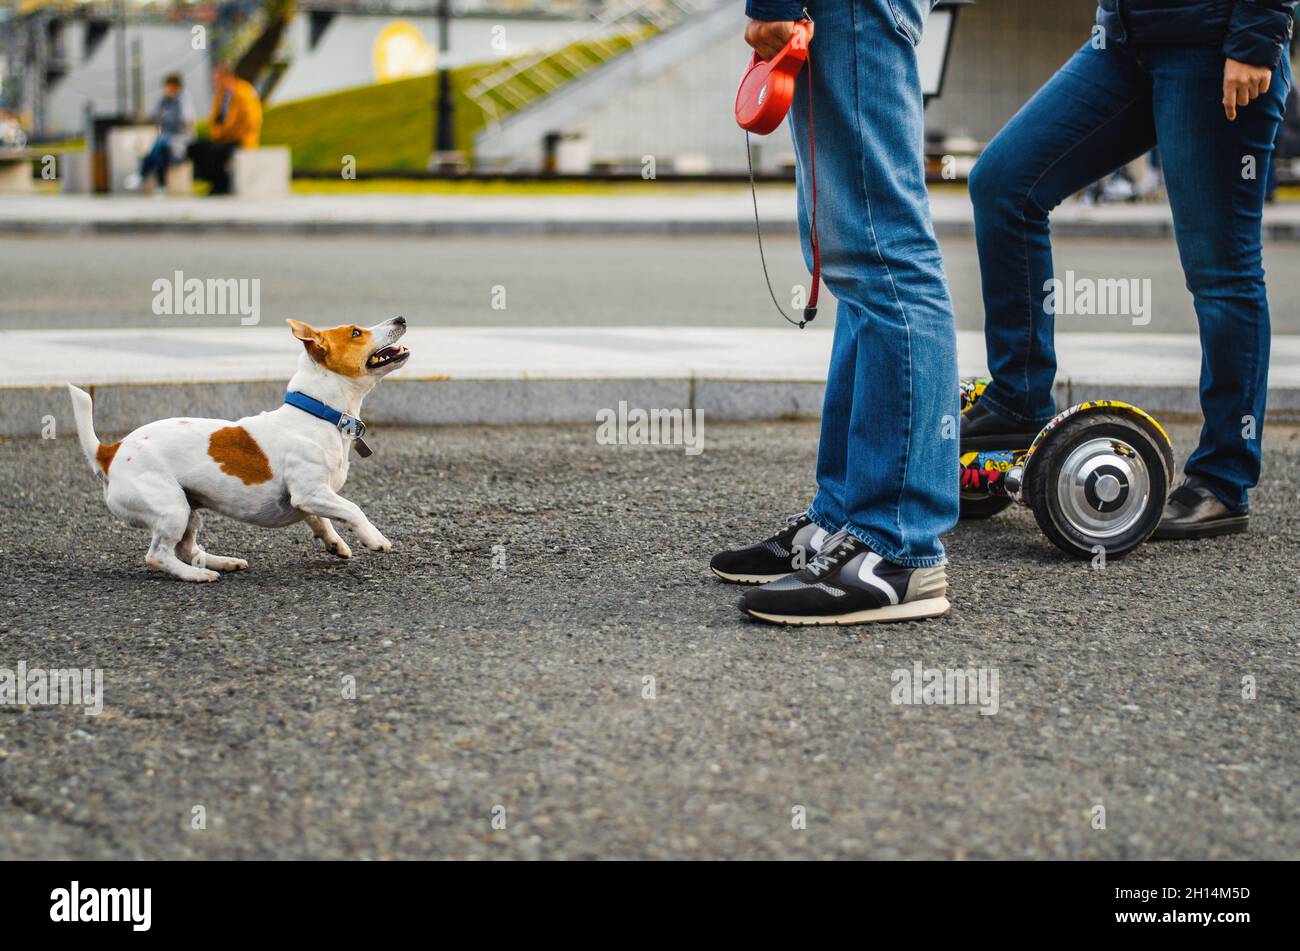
(303,331)
(310,337)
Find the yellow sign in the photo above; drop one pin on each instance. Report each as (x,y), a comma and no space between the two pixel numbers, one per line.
(401,51)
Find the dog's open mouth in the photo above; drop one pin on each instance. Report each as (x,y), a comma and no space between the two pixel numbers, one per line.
(386,357)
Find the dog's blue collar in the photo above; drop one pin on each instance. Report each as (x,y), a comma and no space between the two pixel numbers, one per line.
(349,426)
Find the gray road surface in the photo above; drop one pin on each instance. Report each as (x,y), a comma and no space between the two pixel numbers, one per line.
(107,281)
(521,687)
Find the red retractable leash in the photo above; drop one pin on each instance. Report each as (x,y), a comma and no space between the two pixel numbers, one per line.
(762,101)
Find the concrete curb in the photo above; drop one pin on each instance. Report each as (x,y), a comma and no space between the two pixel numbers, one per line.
(712,211)
(119,408)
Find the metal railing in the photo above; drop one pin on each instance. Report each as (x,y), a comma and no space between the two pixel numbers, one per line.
(608,33)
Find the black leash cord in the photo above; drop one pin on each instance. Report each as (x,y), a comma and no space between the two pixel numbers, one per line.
(758,231)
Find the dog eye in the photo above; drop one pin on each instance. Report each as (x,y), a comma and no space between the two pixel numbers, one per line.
(355,332)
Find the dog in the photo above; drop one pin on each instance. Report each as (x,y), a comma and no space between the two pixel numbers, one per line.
(273,469)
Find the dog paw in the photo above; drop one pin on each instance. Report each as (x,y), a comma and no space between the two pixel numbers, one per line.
(339,548)
(379,543)
(204,575)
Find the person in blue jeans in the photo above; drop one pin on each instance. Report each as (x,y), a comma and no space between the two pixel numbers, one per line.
(175,119)
(867,548)
(1205,80)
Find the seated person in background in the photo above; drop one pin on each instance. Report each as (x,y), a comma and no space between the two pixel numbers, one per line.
(175,118)
(236,124)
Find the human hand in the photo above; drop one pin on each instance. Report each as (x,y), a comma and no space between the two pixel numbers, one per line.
(768,37)
(1241,84)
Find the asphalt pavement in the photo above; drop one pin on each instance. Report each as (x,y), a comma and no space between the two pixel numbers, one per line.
(539,280)
(500,657)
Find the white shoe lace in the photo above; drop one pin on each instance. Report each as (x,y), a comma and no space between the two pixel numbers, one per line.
(828,555)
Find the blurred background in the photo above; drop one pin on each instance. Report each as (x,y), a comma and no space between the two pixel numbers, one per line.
(422,152)
(371,75)
(594,85)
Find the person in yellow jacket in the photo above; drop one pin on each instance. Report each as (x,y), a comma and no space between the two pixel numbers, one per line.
(236,123)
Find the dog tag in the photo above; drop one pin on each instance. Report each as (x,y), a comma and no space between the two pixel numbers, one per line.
(363,450)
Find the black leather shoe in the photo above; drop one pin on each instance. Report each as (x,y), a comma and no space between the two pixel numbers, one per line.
(1193,511)
(982,428)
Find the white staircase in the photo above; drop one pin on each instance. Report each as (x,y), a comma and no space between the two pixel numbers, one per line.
(603,37)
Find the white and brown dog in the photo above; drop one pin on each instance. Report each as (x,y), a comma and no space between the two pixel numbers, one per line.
(273,469)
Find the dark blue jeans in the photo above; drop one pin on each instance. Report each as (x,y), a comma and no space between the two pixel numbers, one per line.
(1103,109)
(157,161)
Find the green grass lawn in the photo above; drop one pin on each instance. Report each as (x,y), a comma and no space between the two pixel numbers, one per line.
(389,126)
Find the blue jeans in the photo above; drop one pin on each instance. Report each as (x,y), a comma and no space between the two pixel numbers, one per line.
(887,463)
(157,161)
(1104,108)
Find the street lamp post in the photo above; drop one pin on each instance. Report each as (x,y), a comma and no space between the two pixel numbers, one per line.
(121,58)
(444,123)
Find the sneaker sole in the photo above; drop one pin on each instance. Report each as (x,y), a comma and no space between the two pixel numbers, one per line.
(907,611)
(1223,526)
(748,579)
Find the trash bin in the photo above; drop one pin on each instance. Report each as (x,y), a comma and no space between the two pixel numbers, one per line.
(98,148)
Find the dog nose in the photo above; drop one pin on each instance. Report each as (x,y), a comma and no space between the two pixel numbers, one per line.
(400,320)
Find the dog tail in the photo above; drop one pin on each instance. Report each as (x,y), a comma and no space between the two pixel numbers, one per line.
(84,413)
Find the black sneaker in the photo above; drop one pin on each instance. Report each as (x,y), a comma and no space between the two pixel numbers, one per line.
(848,583)
(783,553)
(982,428)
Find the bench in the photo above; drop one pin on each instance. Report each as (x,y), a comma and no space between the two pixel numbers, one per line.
(180,179)
(16,170)
(261,173)
(255,173)
(17,174)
